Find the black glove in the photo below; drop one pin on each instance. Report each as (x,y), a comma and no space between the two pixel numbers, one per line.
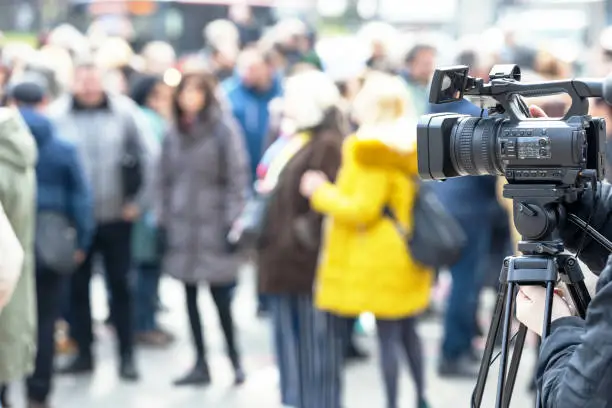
(161,241)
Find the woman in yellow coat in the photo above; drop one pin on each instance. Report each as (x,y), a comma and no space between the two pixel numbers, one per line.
(364,264)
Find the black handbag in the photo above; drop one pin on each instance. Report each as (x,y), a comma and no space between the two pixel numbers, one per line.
(249,226)
(437,239)
(131,165)
(56,242)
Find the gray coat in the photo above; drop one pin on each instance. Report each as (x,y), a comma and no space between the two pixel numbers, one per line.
(203,183)
(100,136)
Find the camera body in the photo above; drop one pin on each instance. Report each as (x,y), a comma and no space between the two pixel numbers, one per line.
(562,152)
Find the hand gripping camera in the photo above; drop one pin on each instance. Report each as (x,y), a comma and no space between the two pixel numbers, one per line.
(547,162)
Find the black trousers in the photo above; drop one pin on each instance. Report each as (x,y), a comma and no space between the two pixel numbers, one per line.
(222,296)
(49,289)
(113,242)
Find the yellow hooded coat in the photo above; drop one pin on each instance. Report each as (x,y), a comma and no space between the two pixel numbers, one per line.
(364,265)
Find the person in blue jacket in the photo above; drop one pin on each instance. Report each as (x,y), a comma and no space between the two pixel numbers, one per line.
(249,93)
(472,200)
(61,188)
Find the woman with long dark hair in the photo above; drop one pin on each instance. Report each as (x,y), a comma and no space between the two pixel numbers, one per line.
(203,181)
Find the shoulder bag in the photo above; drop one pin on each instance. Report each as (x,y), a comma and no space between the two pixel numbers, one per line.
(131,162)
(56,242)
(437,239)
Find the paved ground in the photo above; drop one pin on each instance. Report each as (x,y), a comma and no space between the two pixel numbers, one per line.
(362,385)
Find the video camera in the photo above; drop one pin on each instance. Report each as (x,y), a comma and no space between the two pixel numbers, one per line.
(560,155)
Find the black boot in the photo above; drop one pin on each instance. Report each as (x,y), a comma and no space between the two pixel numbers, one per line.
(239,375)
(4,400)
(127,369)
(457,368)
(199,375)
(81,364)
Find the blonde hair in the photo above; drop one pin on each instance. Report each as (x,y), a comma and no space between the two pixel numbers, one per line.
(60,61)
(114,53)
(383,98)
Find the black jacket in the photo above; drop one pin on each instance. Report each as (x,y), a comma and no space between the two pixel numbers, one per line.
(575,364)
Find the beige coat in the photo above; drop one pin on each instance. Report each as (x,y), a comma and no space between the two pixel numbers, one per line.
(18,155)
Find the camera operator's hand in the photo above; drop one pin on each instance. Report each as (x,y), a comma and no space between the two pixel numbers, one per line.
(593,208)
(537,112)
(530,303)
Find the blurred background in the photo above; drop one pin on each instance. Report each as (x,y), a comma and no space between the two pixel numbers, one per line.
(168,40)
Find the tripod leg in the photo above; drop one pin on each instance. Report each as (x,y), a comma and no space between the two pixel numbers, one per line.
(489,346)
(514,364)
(550,296)
(505,344)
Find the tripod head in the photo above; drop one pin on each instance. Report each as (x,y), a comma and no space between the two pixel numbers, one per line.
(538,212)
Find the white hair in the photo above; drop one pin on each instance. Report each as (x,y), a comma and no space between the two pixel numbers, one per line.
(308,96)
(68,37)
(220,32)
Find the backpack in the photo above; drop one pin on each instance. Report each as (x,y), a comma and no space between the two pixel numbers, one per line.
(437,239)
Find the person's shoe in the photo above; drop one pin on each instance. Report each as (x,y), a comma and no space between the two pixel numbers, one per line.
(65,345)
(127,370)
(199,375)
(423,404)
(474,356)
(458,368)
(239,375)
(81,364)
(4,399)
(36,404)
(353,353)
(154,338)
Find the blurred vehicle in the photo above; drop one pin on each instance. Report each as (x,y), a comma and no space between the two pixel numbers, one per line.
(179,22)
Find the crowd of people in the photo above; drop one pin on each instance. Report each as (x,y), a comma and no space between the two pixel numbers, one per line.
(148,160)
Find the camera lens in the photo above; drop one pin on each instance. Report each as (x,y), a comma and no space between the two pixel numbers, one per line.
(473,146)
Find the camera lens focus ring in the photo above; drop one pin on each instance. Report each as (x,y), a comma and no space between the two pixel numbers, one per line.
(463,145)
(487,135)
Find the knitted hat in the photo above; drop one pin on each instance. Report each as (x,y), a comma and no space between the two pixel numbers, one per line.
(29,89)
(142,86)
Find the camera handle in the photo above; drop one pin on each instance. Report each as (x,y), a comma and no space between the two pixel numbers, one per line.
(505,90)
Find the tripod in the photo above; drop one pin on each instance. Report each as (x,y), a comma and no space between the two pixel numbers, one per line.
(538,212)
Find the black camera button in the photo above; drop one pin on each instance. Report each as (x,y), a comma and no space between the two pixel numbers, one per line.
(534,173)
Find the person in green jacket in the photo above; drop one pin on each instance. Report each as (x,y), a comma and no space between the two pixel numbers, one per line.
(153,97)
(18,155)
